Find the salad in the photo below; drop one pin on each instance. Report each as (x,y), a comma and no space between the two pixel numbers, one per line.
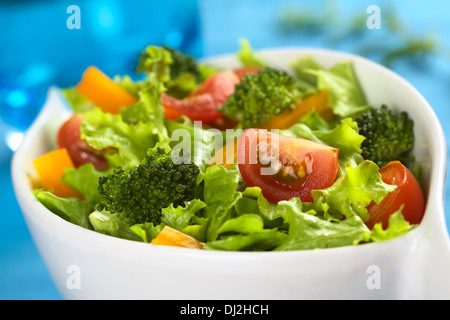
(254,158)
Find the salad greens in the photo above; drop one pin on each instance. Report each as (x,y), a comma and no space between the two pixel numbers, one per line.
(225,213)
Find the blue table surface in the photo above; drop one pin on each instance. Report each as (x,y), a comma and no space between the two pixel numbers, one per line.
(23,275)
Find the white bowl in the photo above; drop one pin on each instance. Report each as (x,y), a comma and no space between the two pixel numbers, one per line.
(88,265)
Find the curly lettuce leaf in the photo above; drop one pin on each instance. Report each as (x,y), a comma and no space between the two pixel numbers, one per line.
(307,231)
(248,57)
(180,217)
(128,143)
(346,97)
(155,62)
(84,179)
(190,137)
(397,226)
(301,69)
(344,136)
(246,232)
(76,101)
(129,134)
(74,210)
(354,190)
(109,224)
(147,231)
(220,196)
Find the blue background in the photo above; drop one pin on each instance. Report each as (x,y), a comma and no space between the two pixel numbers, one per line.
(37,50)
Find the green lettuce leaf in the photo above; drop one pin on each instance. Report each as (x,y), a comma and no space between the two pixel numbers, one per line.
(246,232)
(84,179)
(308,231)
(197,228)
(129,143)
(354,190)
(345,95)
(74,210)
(180,217)
(129,134)
(315,122)
(76,101)
(109,224)
(397,226)
(344,136)
(301,68)
(200,143)
(220,196)
(155,62)
(147,231)
(248,57)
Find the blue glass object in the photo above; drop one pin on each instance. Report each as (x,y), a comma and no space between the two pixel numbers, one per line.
(40,48)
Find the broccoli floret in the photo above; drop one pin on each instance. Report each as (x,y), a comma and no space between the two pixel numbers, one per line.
(389,136)
(137,195)
(259,97)
(182,63)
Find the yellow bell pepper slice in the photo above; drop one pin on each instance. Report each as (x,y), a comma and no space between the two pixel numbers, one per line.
(285,120)
(174,238)
(103,92)
(50,168)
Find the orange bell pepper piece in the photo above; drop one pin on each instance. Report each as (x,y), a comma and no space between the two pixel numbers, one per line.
(50,168)
(287,119)
(174,238)
(227,156)
(104,92)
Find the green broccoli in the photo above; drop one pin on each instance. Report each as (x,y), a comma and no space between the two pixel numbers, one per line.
(139,194)
(259,97)
(389,136)
(182,63)
(179,72)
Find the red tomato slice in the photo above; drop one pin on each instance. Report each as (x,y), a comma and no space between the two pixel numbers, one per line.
(407,193)
(80,152)
(202,104)
(298,167)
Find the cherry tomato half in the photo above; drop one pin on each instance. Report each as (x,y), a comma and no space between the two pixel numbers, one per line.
(80,152)
(202,104)
(285,167)
(407,193)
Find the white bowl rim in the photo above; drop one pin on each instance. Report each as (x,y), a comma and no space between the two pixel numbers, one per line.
(438,176)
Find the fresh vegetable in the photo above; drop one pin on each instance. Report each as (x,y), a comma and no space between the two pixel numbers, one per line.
(407,197)
(259,97)
(174,238)
(182,64)
(203,103)
(50,168)
(139,194)
(243,71)
(248,57)
(285,167)
(317,102)
(389,135)
(227,155)
(251,158)
(69,138)
(127,136)
(184,71)
(104,92)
